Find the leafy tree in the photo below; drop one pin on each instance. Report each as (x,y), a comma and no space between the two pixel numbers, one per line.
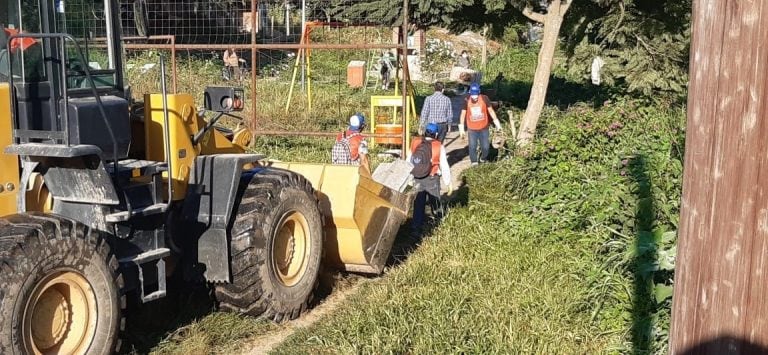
(643,43)
(552,21)
(422,13)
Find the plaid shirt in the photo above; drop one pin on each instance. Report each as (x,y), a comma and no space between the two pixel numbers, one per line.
(437,109)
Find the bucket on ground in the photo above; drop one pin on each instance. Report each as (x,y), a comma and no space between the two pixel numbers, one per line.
(362,216)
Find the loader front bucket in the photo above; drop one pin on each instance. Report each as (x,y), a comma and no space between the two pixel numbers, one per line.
(362,217)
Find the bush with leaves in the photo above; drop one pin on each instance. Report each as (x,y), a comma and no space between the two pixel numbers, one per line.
(607,181)
(438,56)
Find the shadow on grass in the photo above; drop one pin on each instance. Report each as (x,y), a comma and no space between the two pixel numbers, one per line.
(645,259)
(560,92)
(406,242)
(149,324)
(456,155)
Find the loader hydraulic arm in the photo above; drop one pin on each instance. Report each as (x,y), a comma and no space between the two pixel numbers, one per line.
(210,124)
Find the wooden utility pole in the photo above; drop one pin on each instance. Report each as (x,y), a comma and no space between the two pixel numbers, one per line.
(720,304)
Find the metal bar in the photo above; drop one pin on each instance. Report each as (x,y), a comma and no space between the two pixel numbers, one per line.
(27,133)
(108,11)
(299,55)
(150,38)
(166,129)
(264,46)
(303,30)
(404,90)
(12,87)
(254,59)
(65,88)
(173,63)
(317,134)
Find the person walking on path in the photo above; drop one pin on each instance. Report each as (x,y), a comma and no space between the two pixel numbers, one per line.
(438,110)
(430,164)
(477,111)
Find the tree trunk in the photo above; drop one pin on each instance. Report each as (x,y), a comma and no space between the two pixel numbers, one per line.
(552,21)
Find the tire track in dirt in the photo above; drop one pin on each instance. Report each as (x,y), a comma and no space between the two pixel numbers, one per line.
(263,344)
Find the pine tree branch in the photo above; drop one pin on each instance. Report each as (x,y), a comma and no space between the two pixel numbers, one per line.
(533,16)
(618,25)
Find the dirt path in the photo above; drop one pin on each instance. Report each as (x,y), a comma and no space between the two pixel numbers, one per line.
(263,344)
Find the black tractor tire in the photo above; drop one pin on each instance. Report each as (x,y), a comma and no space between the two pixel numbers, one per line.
(60,289)
(277,210)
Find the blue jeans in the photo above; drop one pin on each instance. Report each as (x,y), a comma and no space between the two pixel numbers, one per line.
(442,130)
(480,137)
(427,192)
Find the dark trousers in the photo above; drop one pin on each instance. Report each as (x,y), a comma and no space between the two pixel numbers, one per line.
(479,137)
(427,192)
(442,130)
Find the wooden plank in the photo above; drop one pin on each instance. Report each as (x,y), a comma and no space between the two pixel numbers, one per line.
(719,304)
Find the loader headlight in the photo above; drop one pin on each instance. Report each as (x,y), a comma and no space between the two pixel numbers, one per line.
(224,99)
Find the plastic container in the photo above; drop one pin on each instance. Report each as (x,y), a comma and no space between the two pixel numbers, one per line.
(356,74)
(389,128)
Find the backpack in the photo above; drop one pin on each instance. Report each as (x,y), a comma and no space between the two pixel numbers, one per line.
(341,153)
(422,159)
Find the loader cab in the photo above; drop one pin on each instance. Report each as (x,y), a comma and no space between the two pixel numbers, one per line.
(92,24)
(49,77)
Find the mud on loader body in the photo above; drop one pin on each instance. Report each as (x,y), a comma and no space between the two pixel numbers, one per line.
(100,201)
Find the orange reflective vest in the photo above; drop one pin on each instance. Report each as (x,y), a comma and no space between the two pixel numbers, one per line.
(354,138)
(435,160)
(477,113)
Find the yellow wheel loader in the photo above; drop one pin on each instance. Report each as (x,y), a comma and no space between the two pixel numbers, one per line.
(102,199)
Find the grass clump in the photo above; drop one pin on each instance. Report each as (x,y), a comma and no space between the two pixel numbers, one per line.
(219,333)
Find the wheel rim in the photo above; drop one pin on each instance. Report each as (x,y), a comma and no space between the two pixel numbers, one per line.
(291,249)
(60,316)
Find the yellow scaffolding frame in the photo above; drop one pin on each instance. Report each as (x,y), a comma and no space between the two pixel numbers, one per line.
(394,101)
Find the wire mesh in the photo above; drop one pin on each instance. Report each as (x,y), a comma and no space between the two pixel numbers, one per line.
(295,88)
(230,22)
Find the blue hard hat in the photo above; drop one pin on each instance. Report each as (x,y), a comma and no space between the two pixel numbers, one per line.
(357,121)
(474,89)
(431,128)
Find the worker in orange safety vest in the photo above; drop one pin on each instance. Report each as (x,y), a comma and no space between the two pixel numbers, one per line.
(477,112)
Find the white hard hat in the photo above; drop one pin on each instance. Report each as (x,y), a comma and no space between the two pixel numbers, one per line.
(356,121)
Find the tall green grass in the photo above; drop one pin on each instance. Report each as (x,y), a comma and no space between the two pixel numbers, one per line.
(553,252)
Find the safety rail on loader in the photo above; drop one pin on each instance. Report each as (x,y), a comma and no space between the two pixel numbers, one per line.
(62,134)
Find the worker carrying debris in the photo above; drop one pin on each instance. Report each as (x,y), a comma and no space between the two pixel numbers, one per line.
(430,163)
(351,146)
